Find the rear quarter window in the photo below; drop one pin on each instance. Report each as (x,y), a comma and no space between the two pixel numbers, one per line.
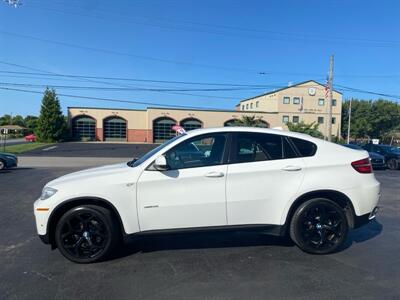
(305,148)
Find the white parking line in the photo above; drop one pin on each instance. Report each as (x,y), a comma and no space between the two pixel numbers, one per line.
(49,148)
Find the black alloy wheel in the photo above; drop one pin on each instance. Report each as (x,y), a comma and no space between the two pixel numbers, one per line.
(86,234)
(392,164)
(319,226)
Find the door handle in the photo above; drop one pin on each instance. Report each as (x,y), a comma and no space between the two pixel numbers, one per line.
(214,174)
(291,168)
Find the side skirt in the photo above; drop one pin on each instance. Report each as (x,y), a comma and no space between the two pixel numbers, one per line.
(275,230)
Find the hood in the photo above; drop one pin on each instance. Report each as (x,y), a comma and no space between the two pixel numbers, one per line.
(8,154)
(92,174)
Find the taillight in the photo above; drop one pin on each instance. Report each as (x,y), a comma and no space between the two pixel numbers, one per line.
(362,166)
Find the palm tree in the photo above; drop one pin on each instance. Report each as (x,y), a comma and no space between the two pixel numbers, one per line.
(250,121)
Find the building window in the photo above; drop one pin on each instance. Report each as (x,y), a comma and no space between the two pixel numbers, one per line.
(295,119)
(247,106)
(333,102)
(114,129)
(243,107)
(285,119)
(257,103)
(251,105)
(321,102)
(286,100)
(162,129)
(191,124)
(320,120)
(231,122)
(84,128)
(333,120)
(296,100)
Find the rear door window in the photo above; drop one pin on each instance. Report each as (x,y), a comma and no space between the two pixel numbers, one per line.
(252,147)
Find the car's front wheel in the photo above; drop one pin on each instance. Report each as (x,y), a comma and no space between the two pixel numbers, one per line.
(2,165)
(319,226)
(86,234)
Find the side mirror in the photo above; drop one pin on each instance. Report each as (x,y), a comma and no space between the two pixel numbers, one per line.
(160,164)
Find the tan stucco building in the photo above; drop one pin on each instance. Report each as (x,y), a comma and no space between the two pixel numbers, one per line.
(305,101)
(302,102)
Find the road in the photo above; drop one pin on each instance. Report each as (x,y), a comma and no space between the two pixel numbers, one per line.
(12,142)
(99,149)
(196,266)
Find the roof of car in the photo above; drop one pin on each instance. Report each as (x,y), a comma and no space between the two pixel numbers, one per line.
(250,129)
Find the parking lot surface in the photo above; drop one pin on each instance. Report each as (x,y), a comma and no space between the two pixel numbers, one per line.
(196,266)
(93,149)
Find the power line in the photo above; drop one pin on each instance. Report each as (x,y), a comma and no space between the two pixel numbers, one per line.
(156,59)
(110,99)
(90,79)
(346,88)
(301,37)
(130,89)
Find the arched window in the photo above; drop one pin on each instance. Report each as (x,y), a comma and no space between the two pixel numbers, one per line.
(231,122)
(84,128)
(162,129)
(191,124)
(114,129)
(263,124)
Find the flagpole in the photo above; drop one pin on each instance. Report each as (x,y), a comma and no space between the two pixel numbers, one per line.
(348,126)
(330,99)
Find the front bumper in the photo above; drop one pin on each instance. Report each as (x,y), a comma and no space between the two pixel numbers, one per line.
(41,216)
(45,238)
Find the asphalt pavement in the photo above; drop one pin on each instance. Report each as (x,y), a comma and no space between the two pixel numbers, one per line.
(11,142)
(92,149)
(196,266)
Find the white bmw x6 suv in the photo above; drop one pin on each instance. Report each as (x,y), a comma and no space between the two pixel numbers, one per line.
(280,182)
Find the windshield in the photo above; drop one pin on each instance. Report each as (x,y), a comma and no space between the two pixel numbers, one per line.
(391,149)
(139,161)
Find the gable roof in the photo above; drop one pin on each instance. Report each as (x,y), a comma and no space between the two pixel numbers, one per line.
(285,88)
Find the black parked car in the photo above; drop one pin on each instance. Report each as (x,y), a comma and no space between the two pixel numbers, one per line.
(377,160)
(391,154)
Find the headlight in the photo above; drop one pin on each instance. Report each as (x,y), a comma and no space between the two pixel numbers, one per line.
(11,157)
(47,193)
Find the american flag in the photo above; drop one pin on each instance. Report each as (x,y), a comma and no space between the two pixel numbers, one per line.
(327,88)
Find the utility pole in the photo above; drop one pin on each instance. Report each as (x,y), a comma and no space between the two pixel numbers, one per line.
(330,84)
(348,125)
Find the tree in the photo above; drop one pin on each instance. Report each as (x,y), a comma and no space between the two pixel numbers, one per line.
(250,121)
(5,120)
(310,129)
(18,120)
(51,125)
(31,123)
(372,119)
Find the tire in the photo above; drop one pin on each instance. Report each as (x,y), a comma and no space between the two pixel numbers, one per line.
(319,226)
(3,165)
(86,234)
(392,164)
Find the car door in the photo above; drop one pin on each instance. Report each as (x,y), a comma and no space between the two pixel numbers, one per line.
(191,193)
(264,172)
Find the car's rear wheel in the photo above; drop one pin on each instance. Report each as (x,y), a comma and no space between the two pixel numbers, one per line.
(392,164)
(319,226)
(2,165)
(86,234)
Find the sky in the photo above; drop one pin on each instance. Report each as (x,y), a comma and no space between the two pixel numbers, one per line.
(238,48)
